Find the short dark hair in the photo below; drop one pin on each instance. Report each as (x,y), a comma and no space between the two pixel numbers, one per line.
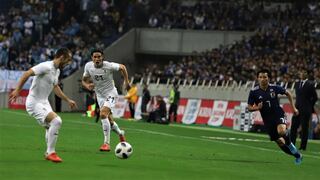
(62,52)
(94,50)
(264,71)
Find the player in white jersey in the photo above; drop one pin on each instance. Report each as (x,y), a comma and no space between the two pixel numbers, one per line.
(45,80)
(98,76)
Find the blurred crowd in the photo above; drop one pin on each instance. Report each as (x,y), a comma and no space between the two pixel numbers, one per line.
(209,15)
(286,39)
(31,30)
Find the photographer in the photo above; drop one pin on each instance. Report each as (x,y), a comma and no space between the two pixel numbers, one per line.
(158,115)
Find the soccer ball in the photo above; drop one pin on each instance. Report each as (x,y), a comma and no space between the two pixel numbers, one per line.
(123,150)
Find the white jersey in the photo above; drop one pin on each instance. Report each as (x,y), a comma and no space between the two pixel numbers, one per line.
(102,77)
(46,76)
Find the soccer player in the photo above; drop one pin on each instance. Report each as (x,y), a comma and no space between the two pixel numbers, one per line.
(98,76)
(37,105)
(264,98)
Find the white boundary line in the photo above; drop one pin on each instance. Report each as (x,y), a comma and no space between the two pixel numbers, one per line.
(218,141)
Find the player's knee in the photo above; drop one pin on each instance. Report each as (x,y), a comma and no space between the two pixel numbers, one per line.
(104,113)
(282,132)
(51,116)
(57,121)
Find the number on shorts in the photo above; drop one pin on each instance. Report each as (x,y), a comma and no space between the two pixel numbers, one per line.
(110,99)
(283,120)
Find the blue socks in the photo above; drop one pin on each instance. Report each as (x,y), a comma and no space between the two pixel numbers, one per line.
(294,150)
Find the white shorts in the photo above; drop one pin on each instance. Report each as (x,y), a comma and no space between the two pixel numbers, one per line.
(109,100)
(39,109)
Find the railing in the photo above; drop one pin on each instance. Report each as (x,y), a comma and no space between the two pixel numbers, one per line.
(211,84)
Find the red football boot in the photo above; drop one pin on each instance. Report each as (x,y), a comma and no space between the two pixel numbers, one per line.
(105,147)
(54,158)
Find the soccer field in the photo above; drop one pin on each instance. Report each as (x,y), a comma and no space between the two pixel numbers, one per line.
(160,152)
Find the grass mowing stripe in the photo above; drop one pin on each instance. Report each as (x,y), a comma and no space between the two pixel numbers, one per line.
(217,130)
(230,131)
(168,153)
(188,127)
(194,138)
(213,140)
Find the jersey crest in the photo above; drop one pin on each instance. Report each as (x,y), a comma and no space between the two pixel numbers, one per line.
(272,94)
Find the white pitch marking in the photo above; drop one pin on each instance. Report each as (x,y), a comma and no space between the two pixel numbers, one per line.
(194,138)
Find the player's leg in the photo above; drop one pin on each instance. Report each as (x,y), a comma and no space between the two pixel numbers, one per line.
(104,113)
(285,135)
(110,103)
(46,135)
(43,113)
(54,122)
(284,132)
(274,136)
(116,129)
(282,146)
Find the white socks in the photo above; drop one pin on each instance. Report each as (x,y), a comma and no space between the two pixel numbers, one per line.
(106,130)
(52,134)
(116,128)
(47,134)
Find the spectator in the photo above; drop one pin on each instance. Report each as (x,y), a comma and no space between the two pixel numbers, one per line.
(4,55)
(316,129)
(60,22)
(174,98)
(132,98)
(145,100)
(158,115)
(275,43)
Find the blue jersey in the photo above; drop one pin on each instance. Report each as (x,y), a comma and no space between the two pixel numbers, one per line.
(269,99)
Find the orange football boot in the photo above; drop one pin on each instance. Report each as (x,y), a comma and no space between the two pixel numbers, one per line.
(105,147)
(54,158)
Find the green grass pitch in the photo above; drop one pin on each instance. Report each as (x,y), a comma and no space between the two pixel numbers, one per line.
(159,152)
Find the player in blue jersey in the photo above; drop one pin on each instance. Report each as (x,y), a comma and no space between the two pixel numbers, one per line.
(264,98)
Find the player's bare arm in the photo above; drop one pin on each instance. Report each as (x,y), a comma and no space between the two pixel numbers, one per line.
(254,107)
(87,83)
(124,73)
(295,110)
(57,90)
(21,82)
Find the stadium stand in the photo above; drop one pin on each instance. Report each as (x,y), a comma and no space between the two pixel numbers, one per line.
(32,30)
(286,39)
